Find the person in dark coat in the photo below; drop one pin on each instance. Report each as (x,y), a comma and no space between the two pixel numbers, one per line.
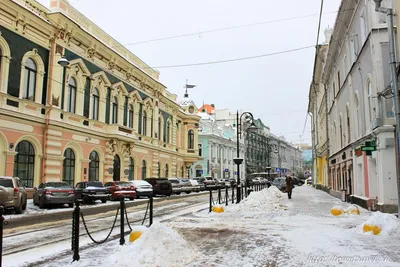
(289,186)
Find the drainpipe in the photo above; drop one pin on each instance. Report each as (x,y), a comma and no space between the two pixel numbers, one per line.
(316,133)
(327,134)
(393,60)
(50,104)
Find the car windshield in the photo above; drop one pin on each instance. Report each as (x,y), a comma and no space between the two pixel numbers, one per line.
(95,184)
(58,185)
(174,181)
(139,182)
(122,184)
(6,182)
(185,180)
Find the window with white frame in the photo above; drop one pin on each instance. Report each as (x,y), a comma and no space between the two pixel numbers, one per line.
(115,110)
(71,95)
(95,104)
(130,116)
(29,79)
(144,123)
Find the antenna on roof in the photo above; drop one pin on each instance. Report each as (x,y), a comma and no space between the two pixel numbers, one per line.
(188,86)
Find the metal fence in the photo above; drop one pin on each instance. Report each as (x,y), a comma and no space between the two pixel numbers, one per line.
(121,213)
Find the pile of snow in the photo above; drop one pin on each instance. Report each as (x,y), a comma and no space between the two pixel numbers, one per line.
(158,245)
(385,221)
(267,199)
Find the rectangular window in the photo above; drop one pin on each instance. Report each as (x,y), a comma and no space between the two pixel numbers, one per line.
(200,150)
(140,119)
(86,101)
(108,100)
(126,112)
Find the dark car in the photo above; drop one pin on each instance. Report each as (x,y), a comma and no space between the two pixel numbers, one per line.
(92,191)
(49,193)
(209,183)
(297,181)
(280,183)
(161,186)
(120,189)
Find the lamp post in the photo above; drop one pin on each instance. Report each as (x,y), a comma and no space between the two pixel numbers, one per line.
(249,120)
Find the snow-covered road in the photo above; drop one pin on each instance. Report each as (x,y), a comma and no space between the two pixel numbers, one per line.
(266,229)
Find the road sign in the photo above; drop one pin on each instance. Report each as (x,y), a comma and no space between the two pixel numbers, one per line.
(368,148)
(201,171)
(226,170)
(235,172)
(278,170)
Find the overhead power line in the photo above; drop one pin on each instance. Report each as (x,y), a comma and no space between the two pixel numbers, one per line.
(231,60)
(316,47)
(226,28)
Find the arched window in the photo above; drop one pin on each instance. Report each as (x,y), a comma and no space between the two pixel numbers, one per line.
(69,167)
(95,104)
(178,136)
(117,168)
(358,120)
(158,170)
(131,175)
(341,132)
(159,128)
(94,166)
(182,172)
(24,163)
(348,125)
(166,171)
(168,132)
(144,123)
(191,139)
(130,116)
(115,110)
(144,169)
(29,79)
(370,113)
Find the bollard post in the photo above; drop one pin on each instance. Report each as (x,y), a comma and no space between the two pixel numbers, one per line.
(1,233)
(226,196)
(233,194)
(76,214)
(219,195)
(151,211)
(122,221)
(245,189)
(210,209)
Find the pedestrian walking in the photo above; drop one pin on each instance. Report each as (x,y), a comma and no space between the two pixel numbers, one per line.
(289,186)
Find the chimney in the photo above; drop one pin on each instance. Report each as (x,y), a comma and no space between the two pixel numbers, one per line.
(328,34)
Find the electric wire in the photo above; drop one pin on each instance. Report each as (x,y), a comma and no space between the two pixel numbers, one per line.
(227,28)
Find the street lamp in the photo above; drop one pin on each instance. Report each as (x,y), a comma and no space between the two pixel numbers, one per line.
(249,120)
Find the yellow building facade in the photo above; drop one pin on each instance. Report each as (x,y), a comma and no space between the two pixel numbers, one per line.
(104,116)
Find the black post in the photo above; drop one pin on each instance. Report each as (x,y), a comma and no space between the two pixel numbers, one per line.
(226,196)
(233,194)
(1,233)
(76,214)
(245,188)
(219,195)
(210,209)
(122,222)
(242,194)
(238,126)
(151,211)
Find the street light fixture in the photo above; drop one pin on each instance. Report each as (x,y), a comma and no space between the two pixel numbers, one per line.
(63,62)
(249,119)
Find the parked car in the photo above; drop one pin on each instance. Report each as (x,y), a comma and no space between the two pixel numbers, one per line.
(200,181)
(309,181)
(12,194)
(280,183)
(257,180)
(297,181)
(120,189)
(186,185)
(195,185)
(209,183)
(48,193)
(143,188)
(161,186)
(265,181)
(91,191)
(176,186)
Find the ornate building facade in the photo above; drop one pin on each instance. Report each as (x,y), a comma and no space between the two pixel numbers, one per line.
(104,116)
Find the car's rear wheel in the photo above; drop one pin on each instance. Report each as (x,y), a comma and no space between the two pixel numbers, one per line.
(25,204)
(19,209)
(131,198)
(70,205)
(41,203)
(299,184)
(103,200)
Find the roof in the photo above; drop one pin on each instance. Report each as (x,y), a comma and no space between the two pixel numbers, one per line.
(208,108)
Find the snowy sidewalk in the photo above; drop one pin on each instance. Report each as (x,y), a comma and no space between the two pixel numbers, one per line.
(266,229)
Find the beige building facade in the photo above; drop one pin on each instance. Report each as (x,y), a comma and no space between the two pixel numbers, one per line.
(105,116)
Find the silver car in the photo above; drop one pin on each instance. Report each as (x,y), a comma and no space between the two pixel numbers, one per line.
(12,194)
(143,188)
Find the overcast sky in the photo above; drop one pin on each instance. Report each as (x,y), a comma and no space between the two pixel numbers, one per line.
(274,88)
